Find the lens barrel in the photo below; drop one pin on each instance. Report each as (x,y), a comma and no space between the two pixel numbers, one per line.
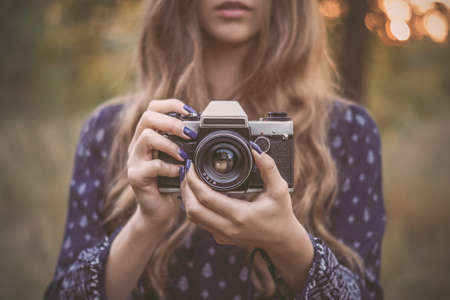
(223,160)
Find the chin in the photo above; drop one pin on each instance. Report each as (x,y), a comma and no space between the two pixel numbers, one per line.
(233,36)
(236,40)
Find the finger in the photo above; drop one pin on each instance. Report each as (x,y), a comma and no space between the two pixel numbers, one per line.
(170,105)
(158,122)
(273,182)
(161,122)
(144,172)
(151,140)
(200,214)
(230,208)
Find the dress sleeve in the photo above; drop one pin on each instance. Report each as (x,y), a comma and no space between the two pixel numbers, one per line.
(80,270)
(357,217)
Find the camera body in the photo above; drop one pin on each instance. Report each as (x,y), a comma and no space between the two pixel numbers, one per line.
(221,152)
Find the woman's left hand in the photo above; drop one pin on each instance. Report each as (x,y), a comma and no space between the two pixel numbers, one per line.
(266,221)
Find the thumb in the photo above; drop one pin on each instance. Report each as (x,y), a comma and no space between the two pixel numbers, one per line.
(273,182)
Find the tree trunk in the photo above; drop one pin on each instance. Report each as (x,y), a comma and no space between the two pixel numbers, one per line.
(354,50)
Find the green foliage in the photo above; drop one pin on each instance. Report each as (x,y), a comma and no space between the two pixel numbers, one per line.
(60,56)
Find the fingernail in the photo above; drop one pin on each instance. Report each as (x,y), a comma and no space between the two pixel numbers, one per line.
(192,134)
(256,147)
(189,109)
(182,172)
(174,115)
(188,165)
(183,154)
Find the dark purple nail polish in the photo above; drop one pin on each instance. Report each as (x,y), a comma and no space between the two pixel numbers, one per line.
(183,154)
(256,147)
(182,173)
(188,165)
(189,109)
(192,134)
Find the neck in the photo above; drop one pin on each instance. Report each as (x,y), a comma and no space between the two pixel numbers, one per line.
(223,68)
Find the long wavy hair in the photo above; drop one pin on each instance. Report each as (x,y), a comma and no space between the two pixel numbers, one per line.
(289,70)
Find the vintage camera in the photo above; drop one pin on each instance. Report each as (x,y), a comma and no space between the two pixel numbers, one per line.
(221,152)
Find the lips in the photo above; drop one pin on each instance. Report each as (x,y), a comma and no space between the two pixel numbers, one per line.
(232,10)
(232,5)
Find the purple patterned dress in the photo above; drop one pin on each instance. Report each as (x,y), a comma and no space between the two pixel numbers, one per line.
(202,269)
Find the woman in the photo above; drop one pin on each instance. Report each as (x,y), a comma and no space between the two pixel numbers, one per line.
(125,239)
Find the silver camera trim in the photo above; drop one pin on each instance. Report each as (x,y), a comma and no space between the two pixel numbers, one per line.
(256,127)
(222,110)
(251,190)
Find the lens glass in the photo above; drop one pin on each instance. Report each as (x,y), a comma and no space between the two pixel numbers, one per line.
(223,160)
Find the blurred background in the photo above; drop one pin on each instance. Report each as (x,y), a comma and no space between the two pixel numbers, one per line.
(60,59)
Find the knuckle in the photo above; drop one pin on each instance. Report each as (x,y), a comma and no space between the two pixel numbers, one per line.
(178,126)
(147,133)
(241,217)
(188,215)
(231,232)
(158,164)
(220,240)
(203,198)
(174,127)
(283,186)
(187,207)
(177,102)
(132,175)
(277,191)
(147,115)
(151,104)
(217,239)
(191,212)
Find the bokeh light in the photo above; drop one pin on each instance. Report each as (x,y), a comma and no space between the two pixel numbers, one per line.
(397,10)
(422,6)
(373,20)
(332,9)
(436,26)
(398,30)
(398,21)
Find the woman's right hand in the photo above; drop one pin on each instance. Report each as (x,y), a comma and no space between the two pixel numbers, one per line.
(144,166)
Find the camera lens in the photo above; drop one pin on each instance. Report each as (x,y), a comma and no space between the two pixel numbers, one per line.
(223,160)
